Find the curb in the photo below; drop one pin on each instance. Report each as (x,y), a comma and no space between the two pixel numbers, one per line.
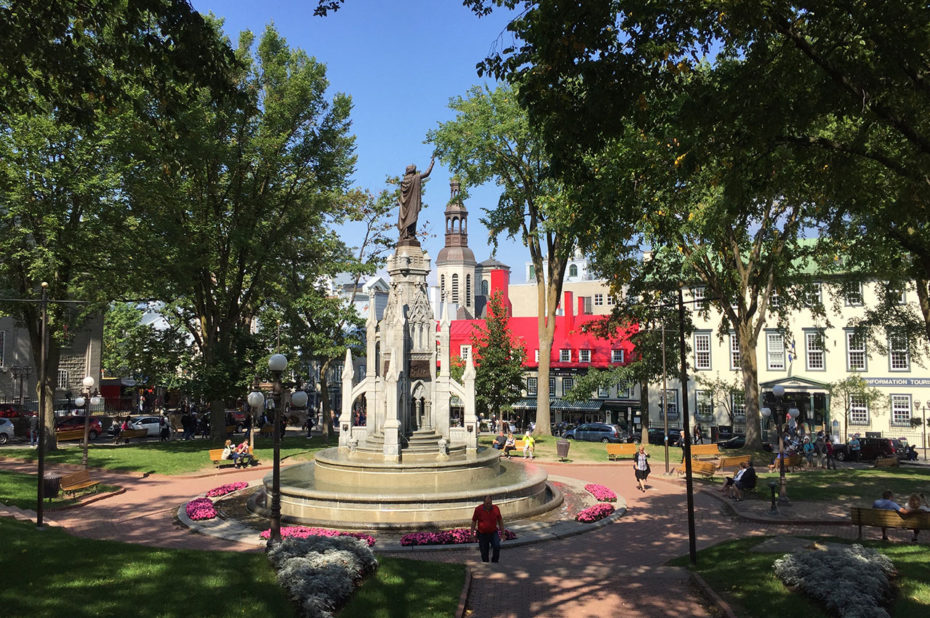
(769,520)
(717,600)
(466,591)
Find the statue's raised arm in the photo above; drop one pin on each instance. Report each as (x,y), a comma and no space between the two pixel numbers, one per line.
(411,200)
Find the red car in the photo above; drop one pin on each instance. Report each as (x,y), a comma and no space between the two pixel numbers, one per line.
(77,422)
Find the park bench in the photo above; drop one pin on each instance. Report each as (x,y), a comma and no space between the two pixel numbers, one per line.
(704,468)
(887,462)
(70,483)
(69,434)
(704,450)
(230,430)
(884,518)
(266,430)
(216,456)
(733,460)
(128,434)
(616,451)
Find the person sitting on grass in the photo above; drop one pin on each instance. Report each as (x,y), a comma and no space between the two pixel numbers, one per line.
(887,503)
(509,445)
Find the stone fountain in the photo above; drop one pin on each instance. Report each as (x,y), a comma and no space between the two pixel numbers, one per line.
(408,466)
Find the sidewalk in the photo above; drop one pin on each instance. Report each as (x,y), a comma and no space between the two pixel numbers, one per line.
(616,567)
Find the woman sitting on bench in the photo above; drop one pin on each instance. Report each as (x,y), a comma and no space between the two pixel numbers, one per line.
(238,454)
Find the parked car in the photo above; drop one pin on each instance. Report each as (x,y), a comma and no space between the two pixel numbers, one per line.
(872,448)
(737,441)
(657,436)
(6,430)
(77,422)
(597,432)
(152,424)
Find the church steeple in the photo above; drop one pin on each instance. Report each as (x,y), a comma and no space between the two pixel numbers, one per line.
(455,264)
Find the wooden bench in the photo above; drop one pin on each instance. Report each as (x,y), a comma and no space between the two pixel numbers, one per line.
(266,430)
(887,462)
(616,451)
(733,460)
(128,434)
(70,483)
(216,456)
(230,429)
(69,434)
(884,518)
(704,468)
(704,450)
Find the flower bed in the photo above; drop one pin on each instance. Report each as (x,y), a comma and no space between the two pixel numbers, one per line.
(601,493)
(594,513)
(228,488)
(446,537)
(200,509)
(302,532)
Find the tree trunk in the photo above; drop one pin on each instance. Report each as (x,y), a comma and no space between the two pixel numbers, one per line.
(327,421)
(643,411)
(750,370)
(217,421)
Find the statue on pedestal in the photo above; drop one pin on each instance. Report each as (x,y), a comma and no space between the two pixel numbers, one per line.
(411,200)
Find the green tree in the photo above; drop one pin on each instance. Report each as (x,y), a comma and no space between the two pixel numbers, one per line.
(490,139)
(499,362)
(253,190)
(150,354)
(850,391)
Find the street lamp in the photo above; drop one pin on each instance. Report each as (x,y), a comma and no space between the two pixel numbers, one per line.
(779,391)
(256,401)
(84,401)
(924,410)
(277,364)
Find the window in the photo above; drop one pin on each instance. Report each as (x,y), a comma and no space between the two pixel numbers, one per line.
(442,287)
(855,351)
(852,293)
(705,406)
(551,386)
(626,390)
(671,402)
(63,382)
(775,351)
(468,290)
(598,300)
(484,287)
(698,295)
(603,393)
(702,351)
(567,385)
(900,409)
(812,295)
(616,356)
(465,352)
(815,354)
(573,271)
(536,356)
(858,410)
(586,304)
(531,273)
(898,356)
(896,293)
(611,300)
(738,403)
(565,356)
(455,288)
(734,352)
(584,356)
(532,386)
(774,300)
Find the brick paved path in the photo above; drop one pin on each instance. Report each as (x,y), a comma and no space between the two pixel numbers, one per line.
(617,570)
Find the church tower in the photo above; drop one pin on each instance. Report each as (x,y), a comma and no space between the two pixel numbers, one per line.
(455,264)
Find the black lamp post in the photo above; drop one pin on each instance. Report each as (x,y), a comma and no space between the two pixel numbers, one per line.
(774,509)
(779,392)
(277,364)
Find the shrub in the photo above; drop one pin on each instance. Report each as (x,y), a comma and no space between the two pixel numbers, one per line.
(228,488)
(321,573)
(601,493)
(850,580)
(200,509)
(447,537)
(302,532)
(594,513)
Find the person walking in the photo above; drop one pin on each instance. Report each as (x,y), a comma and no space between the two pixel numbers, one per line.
(641,467)
(830,453)
(487,519)
(34,430)
(529,445)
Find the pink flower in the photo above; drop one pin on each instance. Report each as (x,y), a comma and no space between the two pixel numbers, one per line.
(447,537)
(222,490)
(594,513)
(200,509)
(601,493)
(302,532)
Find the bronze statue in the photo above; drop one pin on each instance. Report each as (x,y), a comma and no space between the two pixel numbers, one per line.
(411,200)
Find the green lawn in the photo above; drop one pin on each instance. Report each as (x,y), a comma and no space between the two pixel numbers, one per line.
(588,452)
(18,489)
(403,587)
(173,457)
(746,580)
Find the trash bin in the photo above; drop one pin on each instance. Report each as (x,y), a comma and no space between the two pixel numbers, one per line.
(51,483)
(561,448)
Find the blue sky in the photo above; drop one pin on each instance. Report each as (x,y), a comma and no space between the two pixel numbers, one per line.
(401,62)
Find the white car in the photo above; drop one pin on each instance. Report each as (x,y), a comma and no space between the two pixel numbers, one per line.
(152,424)
(6,430)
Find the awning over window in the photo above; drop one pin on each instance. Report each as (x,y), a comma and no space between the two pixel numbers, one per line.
(591,405)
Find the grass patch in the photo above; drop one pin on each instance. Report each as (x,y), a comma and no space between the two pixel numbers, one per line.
(19,489)
(746,579)
(60,575)
(402,587)
(173,457)
(587,452)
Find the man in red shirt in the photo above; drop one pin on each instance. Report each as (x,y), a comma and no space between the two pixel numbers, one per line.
(487,518)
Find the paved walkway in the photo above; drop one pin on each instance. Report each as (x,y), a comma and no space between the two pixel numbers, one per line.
(616,569)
